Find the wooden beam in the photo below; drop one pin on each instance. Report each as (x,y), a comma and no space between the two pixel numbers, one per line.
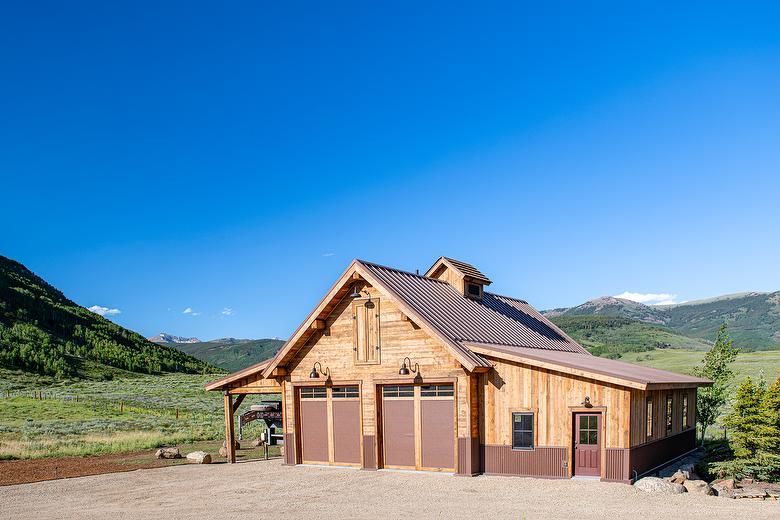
(230,441)
(318,324)
(279,372)
(239,400)
(355,276)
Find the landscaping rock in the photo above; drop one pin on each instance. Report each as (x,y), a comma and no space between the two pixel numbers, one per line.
(723,492)
(679,477)
(723,483)
(750,493)
(168,453)
(199,457)
(659,485)
(697,486)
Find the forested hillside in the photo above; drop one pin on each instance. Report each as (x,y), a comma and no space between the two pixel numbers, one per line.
(232,354)
(42,331)
(611,336)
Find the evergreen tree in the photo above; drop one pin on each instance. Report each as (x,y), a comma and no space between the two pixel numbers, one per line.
(746,419)
(715,366)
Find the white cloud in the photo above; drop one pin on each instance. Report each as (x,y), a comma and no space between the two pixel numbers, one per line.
(649,298)
(189,311)
(227,311)
(328,254)
(104,311)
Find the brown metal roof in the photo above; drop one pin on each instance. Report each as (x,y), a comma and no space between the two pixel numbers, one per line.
(468,270)
(493,320)
(645,377)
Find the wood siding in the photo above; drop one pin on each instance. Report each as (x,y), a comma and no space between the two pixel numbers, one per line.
(552,397)
(658,397)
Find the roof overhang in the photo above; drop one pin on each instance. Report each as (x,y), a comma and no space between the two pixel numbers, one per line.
(592,367)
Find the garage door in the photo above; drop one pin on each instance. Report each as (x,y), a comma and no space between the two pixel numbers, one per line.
(330,425)
(418,427)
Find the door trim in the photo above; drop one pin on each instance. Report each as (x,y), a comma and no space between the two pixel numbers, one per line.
(601,411)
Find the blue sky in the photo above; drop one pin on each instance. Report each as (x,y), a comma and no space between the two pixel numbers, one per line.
(232,159)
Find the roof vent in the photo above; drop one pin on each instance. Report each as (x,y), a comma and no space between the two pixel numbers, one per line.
(466,278)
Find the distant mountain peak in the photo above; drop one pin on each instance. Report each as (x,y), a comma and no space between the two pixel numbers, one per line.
(164,337)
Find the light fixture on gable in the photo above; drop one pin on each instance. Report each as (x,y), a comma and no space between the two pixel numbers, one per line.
(405,370)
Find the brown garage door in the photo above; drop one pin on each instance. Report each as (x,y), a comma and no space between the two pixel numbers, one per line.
(418,427)
(398,432)
(314,425)
(346,424)
(330,425)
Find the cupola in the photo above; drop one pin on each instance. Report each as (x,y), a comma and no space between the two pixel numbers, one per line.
(466,278)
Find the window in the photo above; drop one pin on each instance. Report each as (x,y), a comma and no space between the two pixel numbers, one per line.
(522,431)
(589,429)
(685,411)
(474,289)
(436,391)
(365,317)
(649,419)
(398,391)
(313,392)
(345,392)
(669,406)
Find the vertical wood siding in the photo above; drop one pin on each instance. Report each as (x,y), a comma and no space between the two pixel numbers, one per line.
(617,464)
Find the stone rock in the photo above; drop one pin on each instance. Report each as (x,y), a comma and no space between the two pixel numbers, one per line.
(697,486)
(659,485)
(746,481)
(223,452)
(723,492)
(679,477)
(199,457)
(168,453)
(750,493)
(723,483)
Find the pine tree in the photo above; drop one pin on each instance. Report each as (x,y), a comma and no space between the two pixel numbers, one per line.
(745,419)
(715,366)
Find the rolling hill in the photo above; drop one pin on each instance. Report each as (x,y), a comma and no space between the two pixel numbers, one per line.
(753,318)
(230,353)
(44,332)
(611,336)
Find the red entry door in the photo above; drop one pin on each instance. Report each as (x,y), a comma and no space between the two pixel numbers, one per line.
(587,444)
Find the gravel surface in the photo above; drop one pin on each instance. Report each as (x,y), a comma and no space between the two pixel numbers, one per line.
(268,489)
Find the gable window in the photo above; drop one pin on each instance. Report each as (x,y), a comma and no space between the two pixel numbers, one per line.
(522,431)
(684,411)
(474,290)
(649,420)
(365,318)
(669,406)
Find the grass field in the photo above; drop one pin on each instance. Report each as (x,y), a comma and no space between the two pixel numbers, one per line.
(753,364)
(99,417)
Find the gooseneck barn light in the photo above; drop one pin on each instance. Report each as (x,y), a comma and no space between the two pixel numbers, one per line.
(406,369)
(586,403)
(315,373)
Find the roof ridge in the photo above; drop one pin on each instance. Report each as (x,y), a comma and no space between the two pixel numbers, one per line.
(507,297)
(400,271)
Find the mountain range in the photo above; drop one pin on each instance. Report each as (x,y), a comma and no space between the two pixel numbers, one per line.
(44,332)
(165,338)
(752,318)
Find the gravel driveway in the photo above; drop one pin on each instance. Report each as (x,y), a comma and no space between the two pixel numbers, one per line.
(267,489)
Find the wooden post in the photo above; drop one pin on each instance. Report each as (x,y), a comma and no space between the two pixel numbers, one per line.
(230,441)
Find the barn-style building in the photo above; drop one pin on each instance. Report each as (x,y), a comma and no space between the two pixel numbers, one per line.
(432,372)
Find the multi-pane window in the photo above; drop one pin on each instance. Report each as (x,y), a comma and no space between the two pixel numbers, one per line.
(345,392)
(589,429)
(649,418)
(684,411)
(397,391)
(313,392)
(522,431)
(669,407)
(436,391)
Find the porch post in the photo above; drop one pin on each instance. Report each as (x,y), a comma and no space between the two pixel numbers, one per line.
(230,440)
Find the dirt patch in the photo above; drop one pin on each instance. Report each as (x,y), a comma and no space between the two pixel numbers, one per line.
(35,470)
